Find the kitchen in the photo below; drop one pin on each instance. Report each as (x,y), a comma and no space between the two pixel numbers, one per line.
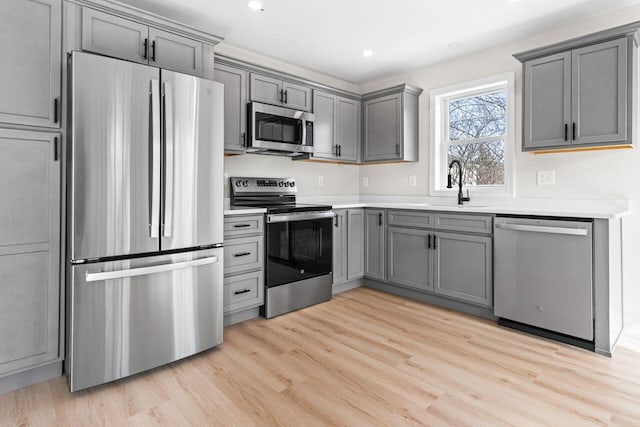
(577,176)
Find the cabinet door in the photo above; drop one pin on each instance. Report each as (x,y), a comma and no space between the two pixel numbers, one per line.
(296,96)
(324,125)
(547,102)
(355,244)
(235,106)
(383,128)
(30,33)
(174,52)
(600,91)
(266,89)
(340,247)
(374,242)
(114,36)
(347,128)
(29,249)
(409,257)
(462,267)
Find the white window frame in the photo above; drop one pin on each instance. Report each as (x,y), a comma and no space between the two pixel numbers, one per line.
(439,122)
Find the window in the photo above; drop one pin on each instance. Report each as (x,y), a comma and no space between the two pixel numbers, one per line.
(474,123)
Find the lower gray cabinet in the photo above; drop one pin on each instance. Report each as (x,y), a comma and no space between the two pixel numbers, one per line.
(243,265)
(348,249)
(463,267)
(30,176)
(374,244)
(410,258)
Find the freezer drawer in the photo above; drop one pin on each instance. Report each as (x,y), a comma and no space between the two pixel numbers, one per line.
(133,315)
(543,274)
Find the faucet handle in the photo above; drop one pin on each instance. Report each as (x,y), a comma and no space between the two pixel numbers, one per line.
(468,198)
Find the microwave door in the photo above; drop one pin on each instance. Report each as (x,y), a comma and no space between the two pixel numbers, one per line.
(192,183)
(115,157)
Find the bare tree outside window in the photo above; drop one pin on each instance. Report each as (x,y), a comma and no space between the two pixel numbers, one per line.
(477,127)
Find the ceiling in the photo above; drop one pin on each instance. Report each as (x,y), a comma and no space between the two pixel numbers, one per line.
(329,36)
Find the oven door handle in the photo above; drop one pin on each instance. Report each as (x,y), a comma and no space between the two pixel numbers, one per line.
(304,216)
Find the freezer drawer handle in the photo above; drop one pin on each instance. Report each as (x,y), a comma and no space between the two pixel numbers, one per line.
(143,271)
(543,229)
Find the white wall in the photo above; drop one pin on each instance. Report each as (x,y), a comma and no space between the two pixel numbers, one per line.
(579,175)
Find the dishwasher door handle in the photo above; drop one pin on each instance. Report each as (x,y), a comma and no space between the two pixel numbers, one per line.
(544,229)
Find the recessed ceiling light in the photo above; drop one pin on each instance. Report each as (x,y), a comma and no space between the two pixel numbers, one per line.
(367,53)
(255,5)
(454,45)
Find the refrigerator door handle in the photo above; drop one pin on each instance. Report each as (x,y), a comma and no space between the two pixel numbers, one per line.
(143,271)
(154,178)
(167,210)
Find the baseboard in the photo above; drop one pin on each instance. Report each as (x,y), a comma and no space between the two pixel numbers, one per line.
(347,286)
(472,309)
(30,377)
(241,316)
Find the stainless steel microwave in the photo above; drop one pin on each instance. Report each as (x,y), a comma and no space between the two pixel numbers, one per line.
(278,130)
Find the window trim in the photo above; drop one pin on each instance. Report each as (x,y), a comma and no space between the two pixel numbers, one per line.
(437,156)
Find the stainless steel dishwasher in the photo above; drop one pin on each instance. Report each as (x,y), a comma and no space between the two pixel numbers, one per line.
(543,274)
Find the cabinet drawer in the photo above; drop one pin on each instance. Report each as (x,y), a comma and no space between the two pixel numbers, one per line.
(411,219)
(243,225)
(243,254)
(468,223)
(243,291)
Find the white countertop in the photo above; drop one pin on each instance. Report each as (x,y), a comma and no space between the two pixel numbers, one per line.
(603,209)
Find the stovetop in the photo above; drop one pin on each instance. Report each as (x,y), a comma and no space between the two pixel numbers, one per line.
(277,195)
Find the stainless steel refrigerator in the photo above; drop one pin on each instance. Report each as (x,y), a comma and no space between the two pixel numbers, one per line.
(145,218)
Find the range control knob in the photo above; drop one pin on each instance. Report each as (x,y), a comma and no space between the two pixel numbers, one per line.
(245,183)
(281,184)
(238,183)
(292,184)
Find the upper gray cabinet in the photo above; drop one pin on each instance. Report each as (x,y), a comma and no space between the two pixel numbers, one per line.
(31,65)
(391,125)
(336,127)
(235,106)
(122,38)
(30,174)
(275,91)
(579,93)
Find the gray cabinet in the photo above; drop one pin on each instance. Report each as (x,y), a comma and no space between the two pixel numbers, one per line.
(336,127)
(448,254)
(348,245)
(374,244)
(410,257)
(579,93)
(462,267)
(30,69)
(275,91)
(134,41)
(391,125)
(235,106)
(173,52)
(243,266)
(30,176)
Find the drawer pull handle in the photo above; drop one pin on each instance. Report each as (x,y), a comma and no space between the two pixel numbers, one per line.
(239,254)
(241,225)
(244,291)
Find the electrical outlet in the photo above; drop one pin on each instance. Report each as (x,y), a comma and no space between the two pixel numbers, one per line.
(320,180)
(226,179)
(546,178)
(365,181)
(412,181)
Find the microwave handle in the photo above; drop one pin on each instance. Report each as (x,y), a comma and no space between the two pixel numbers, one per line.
(303,123)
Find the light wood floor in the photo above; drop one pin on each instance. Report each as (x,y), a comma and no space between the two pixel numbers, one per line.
(364,358)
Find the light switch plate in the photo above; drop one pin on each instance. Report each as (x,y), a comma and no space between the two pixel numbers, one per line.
(320,180)
(546,178)
(412,181)
(365,181)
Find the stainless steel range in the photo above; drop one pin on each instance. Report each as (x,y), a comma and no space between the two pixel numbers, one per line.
(299,243)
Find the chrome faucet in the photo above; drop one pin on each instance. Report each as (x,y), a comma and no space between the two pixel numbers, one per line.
(461,198)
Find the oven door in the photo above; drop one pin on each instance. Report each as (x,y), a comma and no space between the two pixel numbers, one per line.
(280,129)
(299,247)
